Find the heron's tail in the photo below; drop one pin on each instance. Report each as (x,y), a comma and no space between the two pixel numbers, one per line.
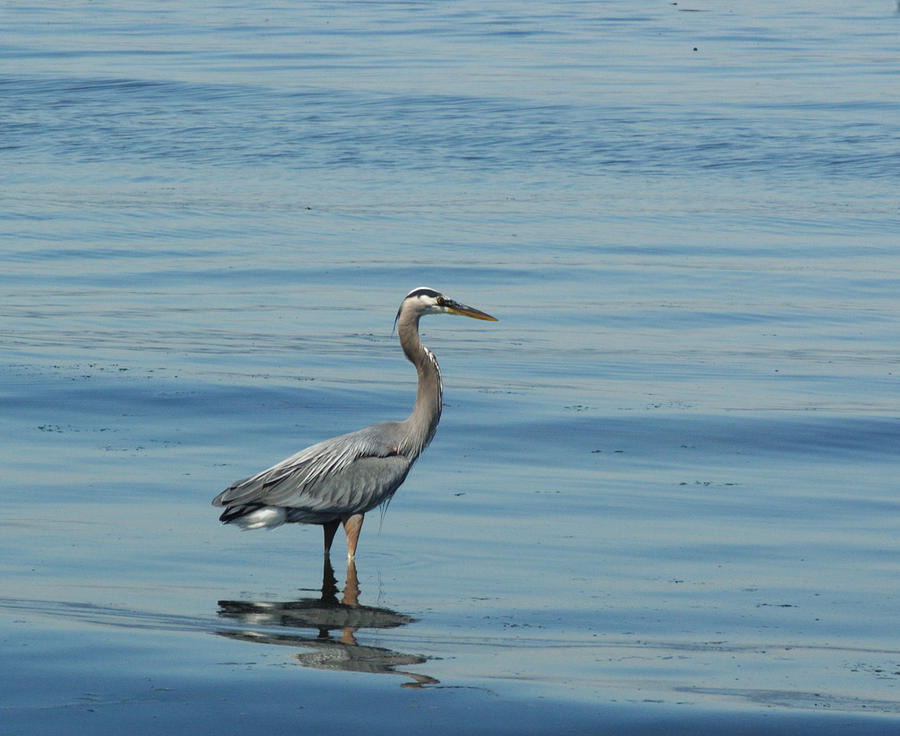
(254,516)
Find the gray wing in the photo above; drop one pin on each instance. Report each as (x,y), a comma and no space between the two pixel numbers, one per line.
(348,474)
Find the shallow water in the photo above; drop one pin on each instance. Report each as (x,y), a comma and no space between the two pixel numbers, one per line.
(663,493)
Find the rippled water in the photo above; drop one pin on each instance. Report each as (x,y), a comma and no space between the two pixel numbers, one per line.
(664,490)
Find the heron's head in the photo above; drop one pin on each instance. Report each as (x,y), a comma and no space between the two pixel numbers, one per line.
(423,300)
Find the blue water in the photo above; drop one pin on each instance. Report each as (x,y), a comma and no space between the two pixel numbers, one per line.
(664,492)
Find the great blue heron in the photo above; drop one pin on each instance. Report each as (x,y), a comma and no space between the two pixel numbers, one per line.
(339,480)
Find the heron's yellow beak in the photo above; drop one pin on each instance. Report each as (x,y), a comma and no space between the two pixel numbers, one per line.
(463,310)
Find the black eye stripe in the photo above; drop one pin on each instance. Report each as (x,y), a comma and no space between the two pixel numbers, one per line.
(423,291)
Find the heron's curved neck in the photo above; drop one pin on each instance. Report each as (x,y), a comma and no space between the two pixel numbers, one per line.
(426,414)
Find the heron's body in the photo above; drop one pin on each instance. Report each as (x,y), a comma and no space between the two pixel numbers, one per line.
(340,479)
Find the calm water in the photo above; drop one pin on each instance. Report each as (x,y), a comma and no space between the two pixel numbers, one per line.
(664,490)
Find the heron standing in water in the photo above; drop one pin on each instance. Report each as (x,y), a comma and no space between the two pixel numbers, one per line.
(337,481)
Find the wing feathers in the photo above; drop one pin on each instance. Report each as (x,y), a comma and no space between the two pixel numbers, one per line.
(353,472)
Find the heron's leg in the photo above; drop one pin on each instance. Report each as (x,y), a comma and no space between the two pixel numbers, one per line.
(330,529)
(329,582)
(352,525)
(351,587)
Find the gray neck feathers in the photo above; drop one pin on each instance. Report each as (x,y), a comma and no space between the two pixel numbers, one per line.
(422,423)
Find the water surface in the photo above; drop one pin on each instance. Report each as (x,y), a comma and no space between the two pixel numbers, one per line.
(663,493)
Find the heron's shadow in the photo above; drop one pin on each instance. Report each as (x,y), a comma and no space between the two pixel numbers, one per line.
(336,622)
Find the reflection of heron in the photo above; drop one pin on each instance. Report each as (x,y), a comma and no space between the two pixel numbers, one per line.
(325,614)
(339,480)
